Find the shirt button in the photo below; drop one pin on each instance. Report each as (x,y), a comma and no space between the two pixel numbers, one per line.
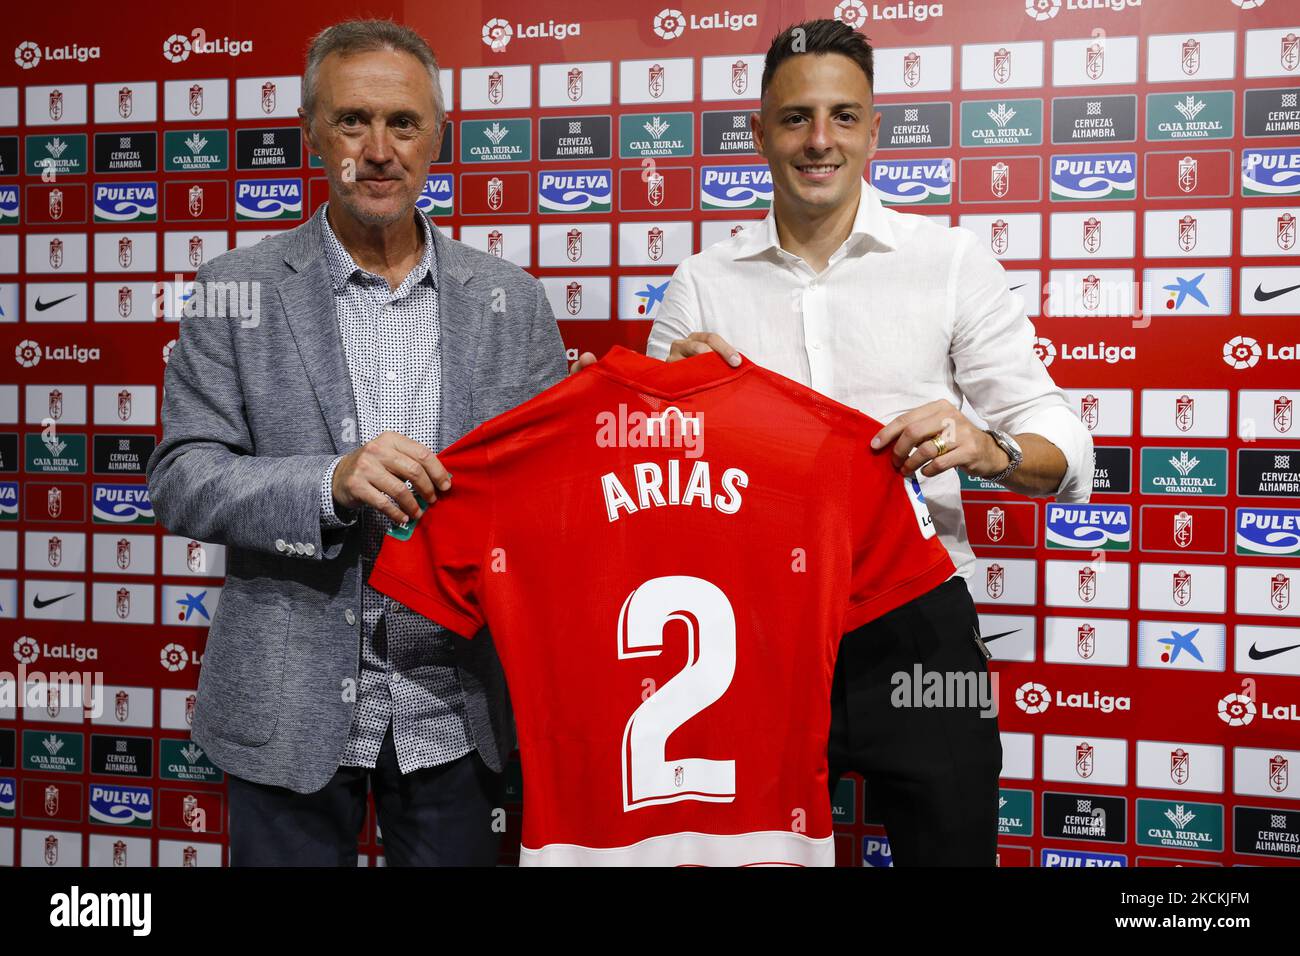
(817,346)
(391,375)
(349,617)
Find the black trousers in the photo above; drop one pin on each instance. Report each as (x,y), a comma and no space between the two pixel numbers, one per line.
(440,816)
(931,772)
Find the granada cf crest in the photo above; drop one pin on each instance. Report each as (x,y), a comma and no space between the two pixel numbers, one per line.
(51,850)
(1183,529)
(123,603)
(196,100)
(268,97)
(999,240)
(496,87)
(189,857)
(54,502)
(1290,52)
(1278,773)
(122,706)
(1182,588)
(1000,177)
(189,808)
(1191,57)
(1090,411)
(912,69)
(56,105)
(1001,65)
(1091,292)
(1282,413)
(196,201)
(573,245)
(494,243)
(995,581)
(1180,770)
(1094,61)
(125,250)
(56,206)
(655,81)
(739,77)
(54,551)
(124,301)
(496,193)
(119,853)
(190,701)
(1184,412)
(1279,591)
(654,243)
(573,297)
(56,253)
(1083,757)
(124,553)
(55,405)
(654,189)
(1285,231)
(124,405)
(1087,584)
(1187,233)
(51,800)
(995,523)
(1085,643)
(195,559)
(1092,234)
(124,102)
(736,230)
(575,84)
(196,251)
(1187,174)
(53,704)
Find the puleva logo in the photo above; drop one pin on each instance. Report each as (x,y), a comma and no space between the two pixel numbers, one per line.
(121,504)
(1270,172)
(576,190)
(264,199)
(126,202)
(436,199)
(122,806)
(8,501)
(8,204)
(1268,532)
(1089,527)
(735,187)
(1081,858)
(1094,176)
(912,181)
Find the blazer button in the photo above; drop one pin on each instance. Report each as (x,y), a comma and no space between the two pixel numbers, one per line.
(279,544)
(310,549)
(349,617)
(298,546)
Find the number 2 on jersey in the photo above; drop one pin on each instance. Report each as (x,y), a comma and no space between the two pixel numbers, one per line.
(648,778)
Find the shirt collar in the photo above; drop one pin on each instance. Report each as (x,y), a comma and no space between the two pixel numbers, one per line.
(869,222)
(343,267)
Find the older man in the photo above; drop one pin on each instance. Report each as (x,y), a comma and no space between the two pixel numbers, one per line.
(298,435)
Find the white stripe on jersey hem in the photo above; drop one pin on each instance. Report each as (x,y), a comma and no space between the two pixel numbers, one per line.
(762,848)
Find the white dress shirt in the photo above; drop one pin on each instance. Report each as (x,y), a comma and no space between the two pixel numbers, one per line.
(906,312)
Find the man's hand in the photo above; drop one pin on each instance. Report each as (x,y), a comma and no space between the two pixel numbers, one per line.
(379,470)
(585,359)
(913,436)
(697,343)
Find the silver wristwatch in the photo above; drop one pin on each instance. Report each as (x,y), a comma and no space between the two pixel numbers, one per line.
(1012,448)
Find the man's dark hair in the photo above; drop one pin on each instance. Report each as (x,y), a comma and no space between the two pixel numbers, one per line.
(819,37)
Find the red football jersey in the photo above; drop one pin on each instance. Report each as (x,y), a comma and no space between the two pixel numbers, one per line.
(667,556)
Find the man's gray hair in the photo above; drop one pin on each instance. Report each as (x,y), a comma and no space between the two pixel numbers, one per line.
(365,36)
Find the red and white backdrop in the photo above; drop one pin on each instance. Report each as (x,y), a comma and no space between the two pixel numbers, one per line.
(1135,164)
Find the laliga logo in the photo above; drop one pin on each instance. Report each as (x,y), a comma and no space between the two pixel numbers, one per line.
(1236,710)
(173,657)
(177,48)
(670,23)
(27,54)
(1033,698)
(1042,9)
(1242,352)
(27,353)
(852,13)
(1248,4)
(1045,350)
(497,34)
(26,650)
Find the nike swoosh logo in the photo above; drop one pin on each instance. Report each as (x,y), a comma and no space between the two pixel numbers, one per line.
(1021,286)
(42,306)
(993,637)
(1257,655)
(1262,296)
(38,602)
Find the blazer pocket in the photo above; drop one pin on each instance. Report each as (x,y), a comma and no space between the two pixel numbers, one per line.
(487,403)
(242,682)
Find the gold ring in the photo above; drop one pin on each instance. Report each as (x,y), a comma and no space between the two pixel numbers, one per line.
(940,445)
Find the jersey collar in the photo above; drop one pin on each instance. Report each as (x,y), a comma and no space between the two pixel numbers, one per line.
(669,379)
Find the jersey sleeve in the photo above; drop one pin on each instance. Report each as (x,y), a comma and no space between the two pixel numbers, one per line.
(436,568)
(896,552)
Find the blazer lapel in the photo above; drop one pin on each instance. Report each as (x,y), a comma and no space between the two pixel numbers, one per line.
(459,314)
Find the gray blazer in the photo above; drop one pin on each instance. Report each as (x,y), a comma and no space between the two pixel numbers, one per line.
(254,410)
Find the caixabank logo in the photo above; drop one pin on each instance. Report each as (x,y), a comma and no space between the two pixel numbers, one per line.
(576,191)
(670,23)
(1089,527)
(1094,176)
(126,202)
(735,187)
(261,200)
(29,54)
(912,182)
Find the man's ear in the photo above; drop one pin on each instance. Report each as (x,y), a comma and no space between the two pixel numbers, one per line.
(756,128)
(307,134)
